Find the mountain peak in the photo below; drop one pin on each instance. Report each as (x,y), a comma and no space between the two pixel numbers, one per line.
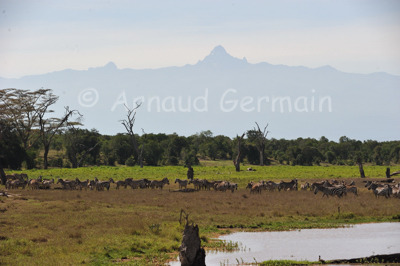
(219,57)
(110,65)
(218,50)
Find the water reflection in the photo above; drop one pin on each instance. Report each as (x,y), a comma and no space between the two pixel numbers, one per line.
(361,240)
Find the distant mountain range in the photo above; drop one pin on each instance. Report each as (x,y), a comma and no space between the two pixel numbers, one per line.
(227,95)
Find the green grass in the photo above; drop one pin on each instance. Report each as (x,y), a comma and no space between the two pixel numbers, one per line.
(215,170)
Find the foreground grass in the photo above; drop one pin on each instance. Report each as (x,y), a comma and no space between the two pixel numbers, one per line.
(142,227)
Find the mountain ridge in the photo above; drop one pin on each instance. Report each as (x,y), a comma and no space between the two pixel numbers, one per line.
(288,97)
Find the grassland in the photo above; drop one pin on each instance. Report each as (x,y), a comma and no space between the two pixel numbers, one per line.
(142,227)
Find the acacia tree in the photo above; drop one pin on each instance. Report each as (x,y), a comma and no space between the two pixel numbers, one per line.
(25,111)
(49,127)
(128,123)
(259,138)
(20,108)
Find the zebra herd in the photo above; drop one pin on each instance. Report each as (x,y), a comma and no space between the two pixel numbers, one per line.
(385,190)
(21,181)
(204,184)
(327,188)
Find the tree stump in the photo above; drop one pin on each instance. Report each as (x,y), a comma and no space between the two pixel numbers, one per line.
(388,172)
(190,251)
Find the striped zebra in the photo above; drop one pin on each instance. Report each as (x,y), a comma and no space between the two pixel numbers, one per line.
(208,184)
(351,189)
(67,184)
(383,191)
(197,183)
(292,185)
(120,183)
(305,186)
(159,184)
(82,184)
(330,191)
(271,186)
(181,183)
(101,185)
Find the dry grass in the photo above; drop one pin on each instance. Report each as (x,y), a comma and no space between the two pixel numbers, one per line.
(141,226)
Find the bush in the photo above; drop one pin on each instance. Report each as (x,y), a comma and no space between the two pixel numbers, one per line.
(130,161)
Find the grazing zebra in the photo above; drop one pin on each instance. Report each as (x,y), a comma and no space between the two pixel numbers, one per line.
(383,191)
(121,183)
(305,186)
(67,184)
(208,184)
(351,189)
(233,187)
(14,184)
(134,184)
(197,183)
(100,185)
(221,186)
(82,184)
(292,185)
(396,191)
(317,184)
(46,184)
(373,185)
(182,183)
(257,187)
(330,191)
(159,184)
(271,186)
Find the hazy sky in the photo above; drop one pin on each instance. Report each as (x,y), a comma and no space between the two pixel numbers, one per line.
(42,36)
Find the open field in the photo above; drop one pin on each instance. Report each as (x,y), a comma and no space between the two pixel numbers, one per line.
(53,227)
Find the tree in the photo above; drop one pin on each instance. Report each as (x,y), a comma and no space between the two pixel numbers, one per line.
(20,108)
(81,146)
(128,123)
(259,138)
(236,161)
(49,127)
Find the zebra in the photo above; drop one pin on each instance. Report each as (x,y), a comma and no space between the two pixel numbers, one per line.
(292,185)
(208,184)
(159,184)
(121,183)
(82,184)
(14,184)
(67,184)
(182,183)
(257,187)
(272,186)
(197,183)
(100,185)
(47,183)
(222,186)
(305,186)
(352,189)
(330,191)
(383,191)
(233,187)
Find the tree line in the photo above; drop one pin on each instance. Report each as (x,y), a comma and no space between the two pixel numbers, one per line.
(29,131)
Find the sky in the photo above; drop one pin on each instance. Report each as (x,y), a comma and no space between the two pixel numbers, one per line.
(39,36)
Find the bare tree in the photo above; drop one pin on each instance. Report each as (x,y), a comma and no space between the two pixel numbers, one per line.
(49,127)
(236,161)
(128,123)
(260,138)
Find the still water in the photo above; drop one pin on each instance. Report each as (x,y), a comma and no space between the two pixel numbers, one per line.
(361,240)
